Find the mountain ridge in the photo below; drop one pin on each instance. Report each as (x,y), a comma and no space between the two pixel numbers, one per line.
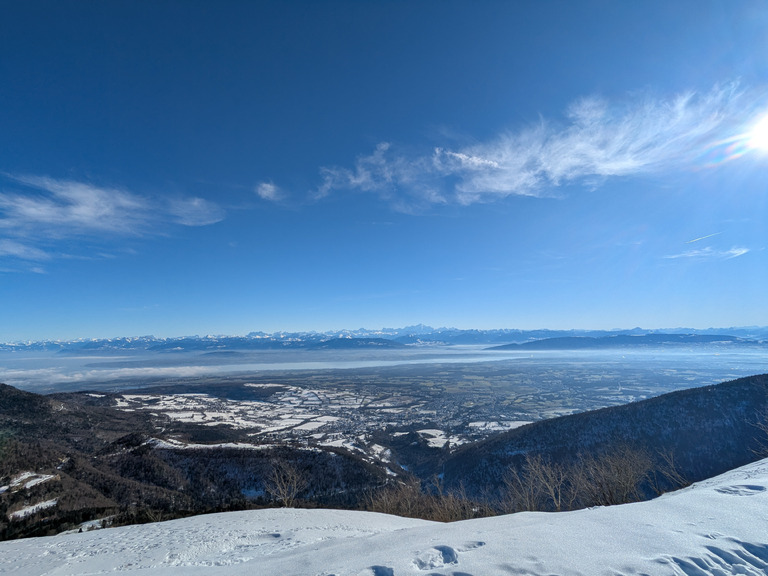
(624,340)
(708,430)
(413,335)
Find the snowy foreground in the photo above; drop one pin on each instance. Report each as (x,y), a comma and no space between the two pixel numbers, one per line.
(715,527)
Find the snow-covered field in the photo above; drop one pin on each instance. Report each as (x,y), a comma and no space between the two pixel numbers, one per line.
(328,418)
(289,409)
(33,509)
(716,527)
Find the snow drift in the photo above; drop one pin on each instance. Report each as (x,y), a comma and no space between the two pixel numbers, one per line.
(715,527)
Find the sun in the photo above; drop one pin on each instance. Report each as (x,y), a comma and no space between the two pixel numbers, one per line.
(758,137)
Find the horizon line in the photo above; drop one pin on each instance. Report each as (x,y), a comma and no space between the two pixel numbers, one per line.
(427,328)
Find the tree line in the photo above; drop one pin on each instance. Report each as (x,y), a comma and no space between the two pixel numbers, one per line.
(537,482)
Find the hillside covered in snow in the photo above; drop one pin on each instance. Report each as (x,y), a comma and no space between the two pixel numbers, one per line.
(715,527)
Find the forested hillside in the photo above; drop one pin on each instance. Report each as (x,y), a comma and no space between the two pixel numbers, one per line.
(68,459)
(701,431)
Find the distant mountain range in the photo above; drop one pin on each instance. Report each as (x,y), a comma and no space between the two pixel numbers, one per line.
(418,335)
(625,341)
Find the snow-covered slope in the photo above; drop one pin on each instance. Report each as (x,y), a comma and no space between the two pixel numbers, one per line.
(716,527)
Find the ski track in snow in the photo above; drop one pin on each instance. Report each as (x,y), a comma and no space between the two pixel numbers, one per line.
(715,528)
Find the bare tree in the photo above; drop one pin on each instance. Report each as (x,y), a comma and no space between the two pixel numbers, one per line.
(285,483)
(406,498)
(525,491)
(761,423)
(556,480)
(669,470)
(615,477)
(454,505)
(541,484)
(522,494)
(403,498)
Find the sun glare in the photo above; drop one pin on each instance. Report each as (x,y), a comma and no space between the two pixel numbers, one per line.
(759,136)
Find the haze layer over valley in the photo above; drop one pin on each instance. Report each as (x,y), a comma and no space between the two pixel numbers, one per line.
(343,389)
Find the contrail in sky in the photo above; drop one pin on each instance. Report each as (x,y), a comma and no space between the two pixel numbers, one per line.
(703,238)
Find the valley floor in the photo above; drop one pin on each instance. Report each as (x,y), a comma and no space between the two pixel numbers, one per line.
(715,527)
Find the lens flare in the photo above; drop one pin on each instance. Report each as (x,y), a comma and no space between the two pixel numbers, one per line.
(759,136)
(751,141)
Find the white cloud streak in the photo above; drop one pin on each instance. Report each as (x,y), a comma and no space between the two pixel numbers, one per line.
(66,206)
(597,140)
(709,253)
(703,238)
(39,213)
(22,251)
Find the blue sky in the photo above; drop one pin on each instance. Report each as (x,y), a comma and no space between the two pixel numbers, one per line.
(177,168)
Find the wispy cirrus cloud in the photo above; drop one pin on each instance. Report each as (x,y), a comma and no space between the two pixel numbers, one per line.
(195,211)
(37,213)
(62,207)
(408,183)
(22,251)
(596,140)
(709,253)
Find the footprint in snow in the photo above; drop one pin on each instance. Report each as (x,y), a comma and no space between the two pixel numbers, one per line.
(436,557)
(741,490)
(440,556)
(377,571)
